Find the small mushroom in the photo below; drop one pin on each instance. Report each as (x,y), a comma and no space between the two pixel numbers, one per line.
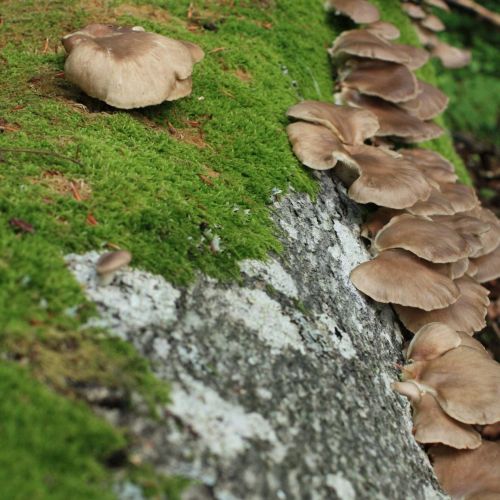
(465,382)
(436,204)
(413,10)
(432,164)
(469,474)
(383,178)
(429,103)
(451,57)
(128,67)
(489,239)
(316,146)
(425,238)
(360,11)
(391,81)
(433,23)
(488,266)
(432,425)
(109,263)
(382,279)
(393,120)
(384,29)
(363,43)
(350,125)
(467,314)
(440,4)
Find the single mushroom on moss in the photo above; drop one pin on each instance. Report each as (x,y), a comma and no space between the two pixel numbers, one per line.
(109,263)
(360,11)
(128,67)
(467,314)
(399,277)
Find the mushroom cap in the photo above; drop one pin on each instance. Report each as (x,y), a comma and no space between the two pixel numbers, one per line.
(384,29)
(467,314)
(432,425)
(454,270)
(432,23)
(392,119)
(408,389)
(390,81)
(129,68)
(440,4)
(432,341)
(488,266)
(363,43)
(451,57)
(429,102)
(468,473)
(360,11)
(462,198)
(466,383)
(350,125)
(432,164)
(376,221)
(428,239)
(426,37)
(413,10)
(489,239)
(316,146)
(112,261)
(382,279)
(384,179)
(436,204)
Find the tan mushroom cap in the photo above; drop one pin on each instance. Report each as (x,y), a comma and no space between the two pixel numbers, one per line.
(413,10)
(351,125)
(384,29)
(383,178)
(429,103)
(393,120)
(426,37)
(488,266)
(382,279)
(468,473)
(425,238)
(433,23)
(451,57)
(467,314)
(489,239)
(112,261)
(360,11)
(363,43)
(436,204)
(462,198)
(440,4)
(432,425)
(128,68)
(466,384)
(432,164)
(454,270)
(391,81)
(434,339)
(315,145)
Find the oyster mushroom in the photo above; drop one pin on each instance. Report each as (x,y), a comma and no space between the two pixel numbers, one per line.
(128,67)
(432,23)
(429,103)
(425,288)
(431,164)
(467,314)
(413,10)
(451,57)
(384,29)
(109,263)
(360,11)
(488,266)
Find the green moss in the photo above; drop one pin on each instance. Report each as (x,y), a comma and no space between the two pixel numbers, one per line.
(51,449)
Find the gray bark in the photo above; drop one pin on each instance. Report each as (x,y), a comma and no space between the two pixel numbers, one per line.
(281,384)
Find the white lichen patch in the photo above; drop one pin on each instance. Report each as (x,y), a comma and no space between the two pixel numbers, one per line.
(262,315)
(134,300)
(272,273)
(342,486)
(343,344)
(225,428)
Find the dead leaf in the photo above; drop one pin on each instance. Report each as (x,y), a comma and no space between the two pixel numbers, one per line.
(243,75)
(91,220)
(21,226)
(9,127)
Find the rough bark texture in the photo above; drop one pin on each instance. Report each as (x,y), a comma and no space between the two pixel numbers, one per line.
(280,385)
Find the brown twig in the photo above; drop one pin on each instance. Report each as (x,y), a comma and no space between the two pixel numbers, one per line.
(493,17)
(40,152)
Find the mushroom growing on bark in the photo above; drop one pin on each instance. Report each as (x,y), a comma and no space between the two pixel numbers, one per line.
(128,67)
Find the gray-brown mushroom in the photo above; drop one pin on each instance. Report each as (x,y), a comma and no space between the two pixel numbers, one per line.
(109,263)
(128,67)
(360,11)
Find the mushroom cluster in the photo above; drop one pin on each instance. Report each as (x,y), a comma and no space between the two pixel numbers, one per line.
(433,243)
(127,67)
(427,25)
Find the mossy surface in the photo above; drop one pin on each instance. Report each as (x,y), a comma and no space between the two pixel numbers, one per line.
(161,182)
